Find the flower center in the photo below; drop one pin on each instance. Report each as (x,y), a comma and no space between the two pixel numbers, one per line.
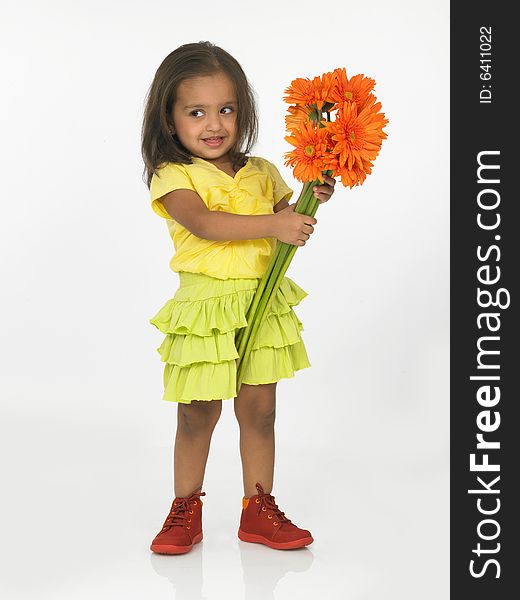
(309,150)
(349,95)
(352,136)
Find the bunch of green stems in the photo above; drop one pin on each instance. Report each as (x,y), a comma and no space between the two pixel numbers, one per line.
(307,204)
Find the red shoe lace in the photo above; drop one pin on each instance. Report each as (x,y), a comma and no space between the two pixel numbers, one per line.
(266,503)
(180,507)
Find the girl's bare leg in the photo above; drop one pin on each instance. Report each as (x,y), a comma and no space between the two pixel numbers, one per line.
(255,410)
(195,425)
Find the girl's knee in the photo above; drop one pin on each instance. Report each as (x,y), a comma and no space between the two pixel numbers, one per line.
(256,409)
(264,419)
(260,419)
(200,416)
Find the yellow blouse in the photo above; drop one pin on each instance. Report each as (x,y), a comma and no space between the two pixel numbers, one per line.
(254,190)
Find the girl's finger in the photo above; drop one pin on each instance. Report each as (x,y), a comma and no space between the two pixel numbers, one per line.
(323,189)
(322,197)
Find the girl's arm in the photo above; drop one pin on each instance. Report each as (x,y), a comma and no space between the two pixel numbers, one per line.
(281,205)
(187,208)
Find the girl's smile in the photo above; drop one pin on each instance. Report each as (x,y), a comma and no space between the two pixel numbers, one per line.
(204,116)
(214,141)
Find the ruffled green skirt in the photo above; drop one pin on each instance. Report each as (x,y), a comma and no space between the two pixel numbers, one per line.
(201,323)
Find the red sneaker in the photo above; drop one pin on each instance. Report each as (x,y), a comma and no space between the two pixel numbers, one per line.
(182,528)
(264,523)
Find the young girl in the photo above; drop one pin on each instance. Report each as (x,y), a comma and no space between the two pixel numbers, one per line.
(224,211)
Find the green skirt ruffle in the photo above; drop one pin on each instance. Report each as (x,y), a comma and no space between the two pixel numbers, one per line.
(201,323)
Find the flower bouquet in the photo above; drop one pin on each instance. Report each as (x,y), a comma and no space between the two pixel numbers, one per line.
(342,147)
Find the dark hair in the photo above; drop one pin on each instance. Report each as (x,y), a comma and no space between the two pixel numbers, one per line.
(158,145)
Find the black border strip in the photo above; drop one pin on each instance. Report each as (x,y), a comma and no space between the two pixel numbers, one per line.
(484,256)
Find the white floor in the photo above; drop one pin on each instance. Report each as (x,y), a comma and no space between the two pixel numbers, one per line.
(81,504)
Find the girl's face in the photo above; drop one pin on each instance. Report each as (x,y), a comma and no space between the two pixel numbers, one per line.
(204,116)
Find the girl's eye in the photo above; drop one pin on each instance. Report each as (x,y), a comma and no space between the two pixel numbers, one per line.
(228,107)
(195,111)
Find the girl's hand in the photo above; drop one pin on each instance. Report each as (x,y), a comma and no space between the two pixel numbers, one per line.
(292,227)
(324,192)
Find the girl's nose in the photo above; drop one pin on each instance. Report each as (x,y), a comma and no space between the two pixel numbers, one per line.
(214,122)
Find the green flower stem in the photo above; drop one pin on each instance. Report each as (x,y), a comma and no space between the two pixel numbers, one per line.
(257,309)
(244,332)
(280,264)
(266,291)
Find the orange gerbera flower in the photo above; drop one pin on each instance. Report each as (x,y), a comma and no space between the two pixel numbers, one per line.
(351,177)
(307,158)
(358,138)
(299,114)
(324,87)
(301,92)
(356,89)
(315,93)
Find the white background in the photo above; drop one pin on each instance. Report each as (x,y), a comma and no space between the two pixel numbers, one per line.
(362,435)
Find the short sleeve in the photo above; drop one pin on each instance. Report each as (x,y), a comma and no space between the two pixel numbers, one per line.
(280,189)
(171,177)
